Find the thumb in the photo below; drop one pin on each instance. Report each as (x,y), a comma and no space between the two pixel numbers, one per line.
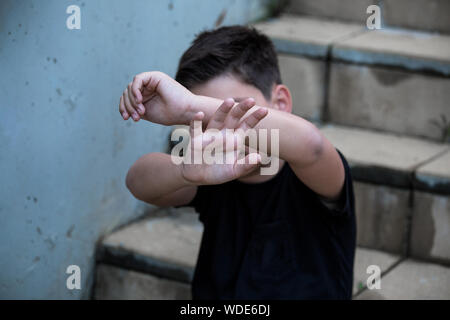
(246,165)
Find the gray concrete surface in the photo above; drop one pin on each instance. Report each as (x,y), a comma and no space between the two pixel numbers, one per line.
(166,245)
(305,35)
(366,257)
(411,280)
(430,226)
(65,150)
(382,217)
(305,79)
(400,48)
(121,284)
(351,10)
(114,283)
(388,100)
(431,15)
(435,175)
(381,157)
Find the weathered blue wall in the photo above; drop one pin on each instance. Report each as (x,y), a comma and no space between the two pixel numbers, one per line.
(64,148)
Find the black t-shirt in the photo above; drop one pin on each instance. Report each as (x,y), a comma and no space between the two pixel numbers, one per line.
(274,240)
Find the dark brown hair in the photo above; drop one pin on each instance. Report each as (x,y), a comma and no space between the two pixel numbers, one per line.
(242,51)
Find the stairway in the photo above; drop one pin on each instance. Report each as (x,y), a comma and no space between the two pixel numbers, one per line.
(382,98)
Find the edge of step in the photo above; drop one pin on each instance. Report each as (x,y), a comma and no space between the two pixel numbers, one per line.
(118,283)
(165,246)
(412,279)
(364,258)
(304,35)
(434,176)
(354,43)
(430,15)
(385,158)
(411,50)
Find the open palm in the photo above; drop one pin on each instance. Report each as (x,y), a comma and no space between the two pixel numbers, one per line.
(216,154)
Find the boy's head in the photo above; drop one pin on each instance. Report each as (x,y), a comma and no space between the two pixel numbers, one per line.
(234,61)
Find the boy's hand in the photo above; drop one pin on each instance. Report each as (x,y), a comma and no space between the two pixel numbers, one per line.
(226,117)
(156,97)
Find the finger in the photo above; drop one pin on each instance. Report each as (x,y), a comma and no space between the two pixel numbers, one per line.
(218,119)
(235,115)
(122,110)
(251,162)
(265,159)
(137,106)
(129,107)
(136,87)
(254,118)
(197,117)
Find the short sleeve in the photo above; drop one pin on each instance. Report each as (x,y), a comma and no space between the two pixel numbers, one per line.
(198,202)
(344,206)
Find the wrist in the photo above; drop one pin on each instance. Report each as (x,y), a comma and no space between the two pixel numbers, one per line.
(191,109)
(198,103)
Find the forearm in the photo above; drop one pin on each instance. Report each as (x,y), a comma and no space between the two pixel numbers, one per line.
(300,142)
(154,176)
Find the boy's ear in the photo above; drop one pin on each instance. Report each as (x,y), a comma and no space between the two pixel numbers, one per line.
(281,98)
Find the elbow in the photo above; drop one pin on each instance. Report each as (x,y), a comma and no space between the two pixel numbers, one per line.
(133,184)
(130,182)
(315,144)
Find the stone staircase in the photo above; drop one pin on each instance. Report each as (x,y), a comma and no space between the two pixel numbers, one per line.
(382,98)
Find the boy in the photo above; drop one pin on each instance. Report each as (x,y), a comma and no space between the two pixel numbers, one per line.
(290,235)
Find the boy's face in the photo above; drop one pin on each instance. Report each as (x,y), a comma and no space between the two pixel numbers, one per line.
(228,86)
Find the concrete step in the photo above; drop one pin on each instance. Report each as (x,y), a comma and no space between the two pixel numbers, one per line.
(156,243)
(153,258)
(430,15)
(392,81)
(115,283)
(167,241)
(384,158)
(303,45)
(434,175)
(364,258)
(352,42)
(389,100)
(416,51)
(430,229)
(411,280)
(384,167)
(389,80)
(165,245)
(402,206)
(307,36)
(344,10)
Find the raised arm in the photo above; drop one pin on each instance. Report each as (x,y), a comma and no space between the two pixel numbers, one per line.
(155,179)
(156,97)
(165,180)
(312,157)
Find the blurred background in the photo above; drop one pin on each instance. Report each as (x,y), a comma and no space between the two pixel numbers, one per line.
(373,75)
